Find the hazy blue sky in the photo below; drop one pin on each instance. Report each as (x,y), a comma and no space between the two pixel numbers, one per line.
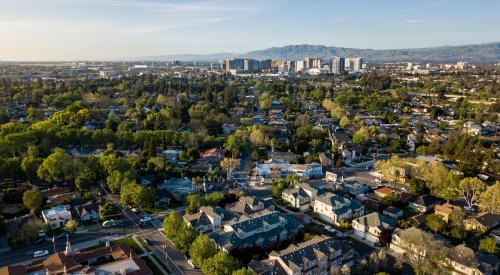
(102,29)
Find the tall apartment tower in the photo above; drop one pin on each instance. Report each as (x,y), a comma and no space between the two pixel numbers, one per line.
(337,65)
(357,64)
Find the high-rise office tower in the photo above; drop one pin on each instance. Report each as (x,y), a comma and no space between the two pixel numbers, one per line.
(337,65)
(357,64)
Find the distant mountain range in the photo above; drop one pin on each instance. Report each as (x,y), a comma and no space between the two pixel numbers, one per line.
(481,53)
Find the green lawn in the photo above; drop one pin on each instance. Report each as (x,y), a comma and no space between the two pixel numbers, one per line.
(160,261)
(151,265)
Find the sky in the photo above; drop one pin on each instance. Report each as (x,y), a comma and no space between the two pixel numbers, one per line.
(43,30)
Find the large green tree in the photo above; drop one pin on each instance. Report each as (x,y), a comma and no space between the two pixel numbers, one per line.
(471,189)
(32,199)
(490,199)
(58,166)
(220,264)
(201,250)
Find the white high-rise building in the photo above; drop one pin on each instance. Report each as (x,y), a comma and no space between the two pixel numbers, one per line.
(357,64)
(300,65)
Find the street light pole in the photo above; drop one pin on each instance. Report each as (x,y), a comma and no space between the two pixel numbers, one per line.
(54,242)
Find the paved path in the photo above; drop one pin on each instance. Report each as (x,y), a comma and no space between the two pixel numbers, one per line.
(153,259)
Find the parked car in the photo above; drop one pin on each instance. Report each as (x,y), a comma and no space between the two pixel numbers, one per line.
(40,253)
(110,223)
(330,229)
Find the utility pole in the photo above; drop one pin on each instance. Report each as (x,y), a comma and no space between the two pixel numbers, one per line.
(54,241)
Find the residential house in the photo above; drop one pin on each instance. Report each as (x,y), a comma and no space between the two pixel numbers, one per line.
(57,216)
(384,191)
(465,261)
(425,203)
(495,233)
(249,205)
(259,229)
(301,197)
(335,208)
(482,222)
(321,255)
(374,227)
(162,197)
(399,243)
(393,212)
(325,160)
(88,211)
(207,219)
(445,210)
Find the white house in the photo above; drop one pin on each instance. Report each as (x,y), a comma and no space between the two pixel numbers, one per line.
(301,197)
(372,227)
(88,211)
(335,208)
(57,216)
(206,220)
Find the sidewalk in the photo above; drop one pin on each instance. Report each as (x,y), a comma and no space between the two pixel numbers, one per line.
(148,254)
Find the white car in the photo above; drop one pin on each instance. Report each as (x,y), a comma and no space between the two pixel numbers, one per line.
(330,229)
(109,223)
(40,253)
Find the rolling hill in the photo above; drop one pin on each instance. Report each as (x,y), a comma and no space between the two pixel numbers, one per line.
(480,53)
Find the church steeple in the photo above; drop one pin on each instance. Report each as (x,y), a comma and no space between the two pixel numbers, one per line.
(68,251)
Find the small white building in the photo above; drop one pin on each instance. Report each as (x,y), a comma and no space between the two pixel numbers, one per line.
(57,216)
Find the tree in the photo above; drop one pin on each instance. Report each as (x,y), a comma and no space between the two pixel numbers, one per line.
(178,232)
(134,194)
(117,179)
(84,180)
(488,245)
(70,226)
(32,199)
(212,199)
(265,100)
(201,250)
(193,203)
(220,264)
(107,211)
(30,166)
(470,190)
(490,199)
(58,166)
(423,252)
(435,223)
(27,233)
(227,164)
(234,144)
(242,271)
(418,187)
(344,122)
(362,136)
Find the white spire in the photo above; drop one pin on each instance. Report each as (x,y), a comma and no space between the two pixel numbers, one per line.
(68,251)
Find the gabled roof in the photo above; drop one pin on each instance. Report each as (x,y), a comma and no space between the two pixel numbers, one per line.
(13,270)
(468,257)
(488,220)
(376,220)
(313,250)
(427,200)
